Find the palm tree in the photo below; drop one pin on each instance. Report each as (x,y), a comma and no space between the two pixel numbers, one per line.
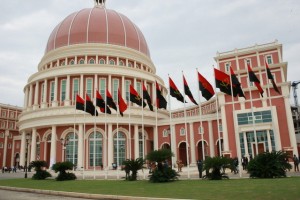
(133,166)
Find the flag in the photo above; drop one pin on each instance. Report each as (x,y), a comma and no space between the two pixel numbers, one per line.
(160,100)
(205,87)
(188,92)
(236,84)
(101,104)
(89,106)
(110,102)
(270,76)
(254,79)
(122,104)
(79,103)
(174,92)
(147,97)
(222,81)
(135,97)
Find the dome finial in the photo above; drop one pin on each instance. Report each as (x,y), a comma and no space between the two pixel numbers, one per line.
(99,2)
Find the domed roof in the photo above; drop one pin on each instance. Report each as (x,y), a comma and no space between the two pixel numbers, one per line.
(97,25)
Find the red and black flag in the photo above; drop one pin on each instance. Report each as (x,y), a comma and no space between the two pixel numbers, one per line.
(147,97)
(89,106)
(160,100)
(188,92)
(270,77)
(236,84)
(174,92)
(122,104)
(110,102)
(223,81)
(253,78)
(205,87)
(135,97)
(101,104)
(79,103)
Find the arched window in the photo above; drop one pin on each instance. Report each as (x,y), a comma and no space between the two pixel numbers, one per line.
(102,61)
(63,63)
(81,61)
(72,62)
(119,148)
(71,153)
(91,61)
(95,144)
(112,62)
(121,63)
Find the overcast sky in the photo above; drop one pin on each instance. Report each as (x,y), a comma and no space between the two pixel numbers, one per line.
(181,35)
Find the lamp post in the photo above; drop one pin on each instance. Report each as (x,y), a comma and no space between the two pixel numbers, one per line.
(64,143)
(26,153)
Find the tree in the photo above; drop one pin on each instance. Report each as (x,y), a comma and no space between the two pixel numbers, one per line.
(40,173)
(133,166)
(61,167)
(215,166)
(162,173)
(269,165)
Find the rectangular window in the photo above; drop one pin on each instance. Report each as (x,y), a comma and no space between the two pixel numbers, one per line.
(11,125)
(1,145)
(220,127)
(200,130)
(139,88)
(75,88)
(89,87)
(63,90)
(227,66)
(102,87)
(3,114)
(52,85)
(9,145)
(182,131)
(165,133)
(1,135)
(115,89)
(2,124)
(269,59)
(127,88)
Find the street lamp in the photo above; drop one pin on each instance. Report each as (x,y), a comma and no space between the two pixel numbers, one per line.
(64,143)
(26,153)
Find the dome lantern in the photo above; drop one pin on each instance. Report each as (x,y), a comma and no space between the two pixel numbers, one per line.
(99,2)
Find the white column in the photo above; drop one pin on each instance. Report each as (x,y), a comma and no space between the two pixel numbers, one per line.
(30,96)
(23,150)
(54,102)
(80,147)
(153,92)
(5,148)
(26,97)
(81,87)
(224,128)
(136,141)
(110,154)
(109,83)
(33,145)
(53,147)
(173,144)
(44,103)
(269,141)
(123,87)
(211,139)
(155,138)
(245,144)
(291,128)
(192,143)
(36,96)
(67,100)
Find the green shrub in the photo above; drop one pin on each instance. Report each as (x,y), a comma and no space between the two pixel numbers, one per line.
(269,165)
(160,176)
(40,173)
(133,166)
(215,166)
(61,167)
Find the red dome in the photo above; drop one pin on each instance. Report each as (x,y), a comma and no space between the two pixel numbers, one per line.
(97,25)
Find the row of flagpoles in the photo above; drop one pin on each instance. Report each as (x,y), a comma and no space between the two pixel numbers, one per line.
(227,83)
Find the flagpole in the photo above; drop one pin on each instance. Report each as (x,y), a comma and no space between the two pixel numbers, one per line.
(143,134)
(83,128)
(218,123)
(186,134)
(94,147)
(237,136)
(129,127)
(253,118)
(105,132)
(73,136)
(118,163)
(170,115)
(200,118)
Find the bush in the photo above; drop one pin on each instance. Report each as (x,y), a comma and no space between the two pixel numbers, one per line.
(215,167)
(61,167)
(133,166)
(40,173)
(269,165)
(160,176)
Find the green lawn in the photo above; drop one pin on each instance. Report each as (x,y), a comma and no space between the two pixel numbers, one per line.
(284,188)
